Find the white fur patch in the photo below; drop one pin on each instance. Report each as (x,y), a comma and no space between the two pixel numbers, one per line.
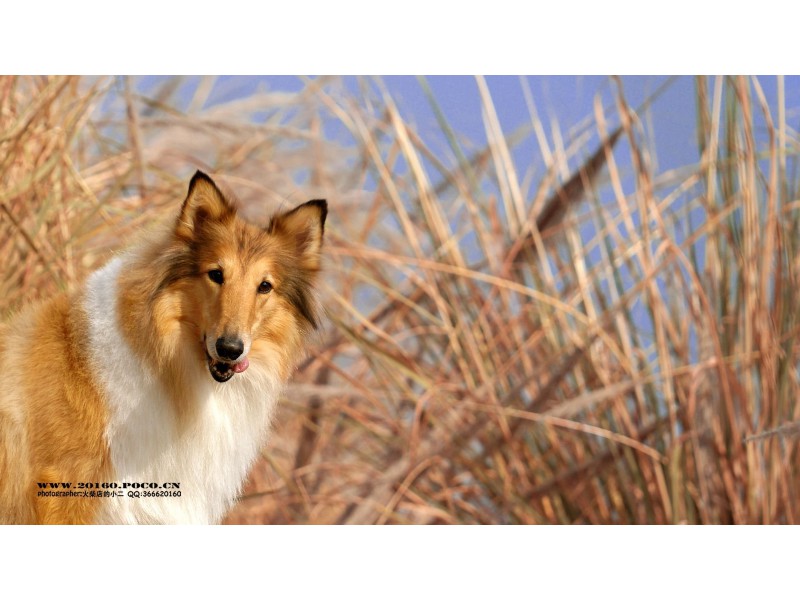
(209,458)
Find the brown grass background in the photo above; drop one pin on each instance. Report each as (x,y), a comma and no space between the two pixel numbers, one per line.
(502,345)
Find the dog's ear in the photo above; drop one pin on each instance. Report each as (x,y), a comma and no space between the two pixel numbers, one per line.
(303,227)
(204,201)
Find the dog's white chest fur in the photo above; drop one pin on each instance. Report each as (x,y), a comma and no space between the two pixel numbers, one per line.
(208,453)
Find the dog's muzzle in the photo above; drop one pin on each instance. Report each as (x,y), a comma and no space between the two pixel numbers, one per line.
(223,370)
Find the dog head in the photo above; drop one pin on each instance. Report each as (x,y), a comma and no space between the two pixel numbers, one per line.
(247,290)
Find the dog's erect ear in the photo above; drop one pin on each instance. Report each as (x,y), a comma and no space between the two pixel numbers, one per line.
(304,227)
(203,202)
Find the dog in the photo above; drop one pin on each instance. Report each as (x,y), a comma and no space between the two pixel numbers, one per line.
(146,396)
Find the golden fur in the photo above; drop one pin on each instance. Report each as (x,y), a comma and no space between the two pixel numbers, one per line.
(51,415)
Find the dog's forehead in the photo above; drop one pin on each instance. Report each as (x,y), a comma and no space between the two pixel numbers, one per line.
(240,242)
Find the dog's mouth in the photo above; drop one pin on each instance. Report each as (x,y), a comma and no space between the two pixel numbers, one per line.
(222,370)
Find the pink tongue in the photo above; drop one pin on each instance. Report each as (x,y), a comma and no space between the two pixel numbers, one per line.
(241,366)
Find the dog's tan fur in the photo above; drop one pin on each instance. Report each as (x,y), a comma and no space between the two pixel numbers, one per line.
(52,415)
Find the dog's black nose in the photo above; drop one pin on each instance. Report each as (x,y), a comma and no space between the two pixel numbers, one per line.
(229,348)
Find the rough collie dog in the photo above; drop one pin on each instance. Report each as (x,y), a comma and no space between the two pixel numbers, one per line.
(146,396)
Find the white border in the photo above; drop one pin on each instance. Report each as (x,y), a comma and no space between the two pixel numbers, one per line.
(409,37)
(403,562)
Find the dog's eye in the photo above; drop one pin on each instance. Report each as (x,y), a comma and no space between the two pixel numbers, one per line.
(215,275)
(265,287)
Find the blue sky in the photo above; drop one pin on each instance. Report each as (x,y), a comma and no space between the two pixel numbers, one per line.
(565,100)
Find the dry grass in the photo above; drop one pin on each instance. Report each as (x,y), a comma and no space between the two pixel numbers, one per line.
(490,357)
